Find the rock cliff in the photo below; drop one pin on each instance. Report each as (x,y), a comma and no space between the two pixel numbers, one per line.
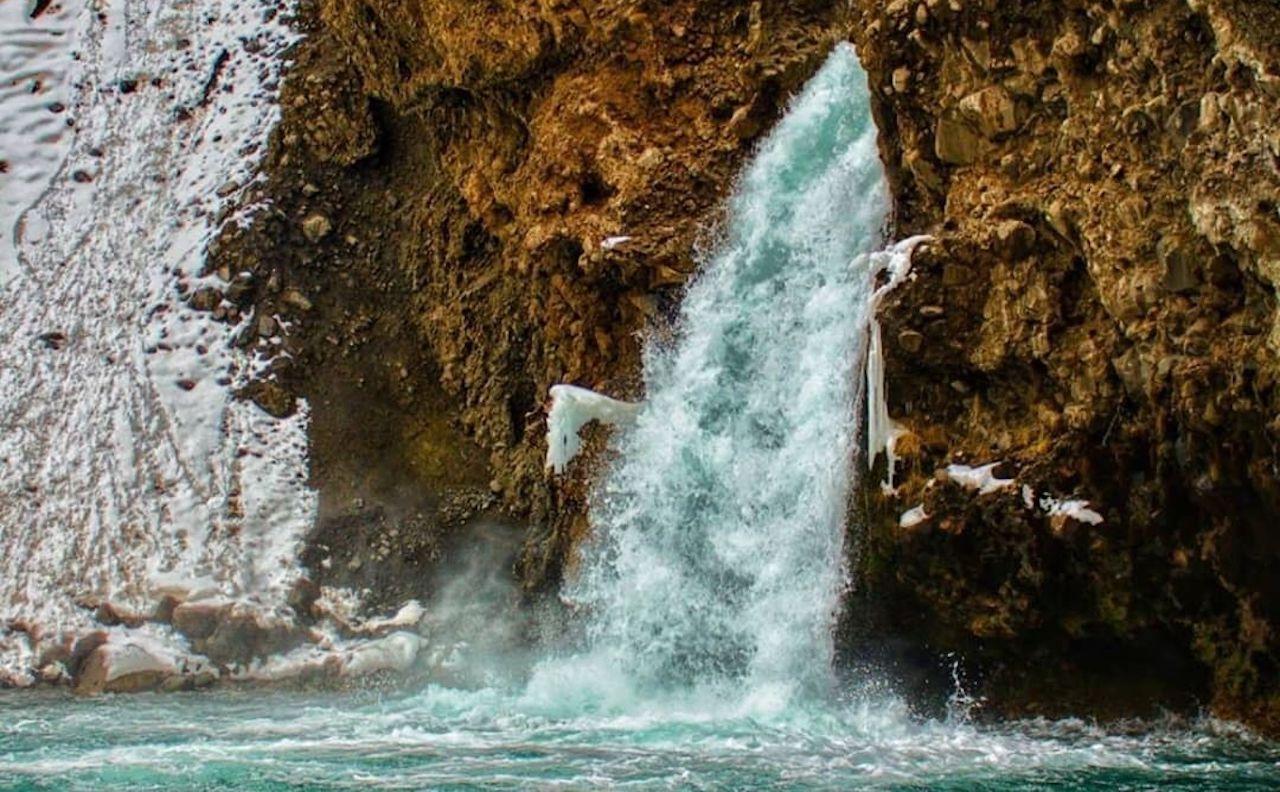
(1098,316)
(469,203)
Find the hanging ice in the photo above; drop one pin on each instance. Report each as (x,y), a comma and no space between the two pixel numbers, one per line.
(573,408)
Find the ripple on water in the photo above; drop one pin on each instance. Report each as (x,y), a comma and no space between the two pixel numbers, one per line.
(439,737)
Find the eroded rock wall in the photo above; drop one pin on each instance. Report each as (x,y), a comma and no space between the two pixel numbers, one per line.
(1099,315)
(471,203)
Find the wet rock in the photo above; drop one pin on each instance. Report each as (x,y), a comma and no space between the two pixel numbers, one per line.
(198,620)
(244,633)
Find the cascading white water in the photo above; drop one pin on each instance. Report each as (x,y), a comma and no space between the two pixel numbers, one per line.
(718,534)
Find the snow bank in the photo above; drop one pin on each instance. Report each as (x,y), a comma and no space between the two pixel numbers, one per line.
(573,408)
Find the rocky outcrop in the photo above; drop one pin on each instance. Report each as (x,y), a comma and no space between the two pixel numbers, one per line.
(1098,314)
(469,204)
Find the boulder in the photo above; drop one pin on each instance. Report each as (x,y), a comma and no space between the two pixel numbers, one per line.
(991,111)
(127,667)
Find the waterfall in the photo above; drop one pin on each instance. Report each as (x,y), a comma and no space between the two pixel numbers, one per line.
(718,534)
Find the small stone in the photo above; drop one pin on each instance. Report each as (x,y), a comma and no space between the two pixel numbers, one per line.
(901,79)
(495,487)
(266,326)
(296,299)
(273,399)
(1014,239)
(316,227)
(205,299)
(910,341)
(932,311)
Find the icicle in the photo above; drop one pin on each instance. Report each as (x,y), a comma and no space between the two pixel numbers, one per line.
(573,408)
(882,432)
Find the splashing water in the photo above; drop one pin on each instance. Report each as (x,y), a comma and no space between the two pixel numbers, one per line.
(708,592)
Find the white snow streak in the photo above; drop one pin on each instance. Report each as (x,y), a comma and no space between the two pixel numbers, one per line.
(124,460)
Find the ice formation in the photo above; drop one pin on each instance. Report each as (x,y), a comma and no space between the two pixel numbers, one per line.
(982,479)
(573,408)
(913,517)
(1077,510)
(882,431)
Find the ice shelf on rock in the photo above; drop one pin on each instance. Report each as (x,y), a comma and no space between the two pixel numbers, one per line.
(573,408)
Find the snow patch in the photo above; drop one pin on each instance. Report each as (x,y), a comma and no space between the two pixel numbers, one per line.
(982,479)
(913,517)
(613,242)
(573,408)
(1077,510)
(126,464)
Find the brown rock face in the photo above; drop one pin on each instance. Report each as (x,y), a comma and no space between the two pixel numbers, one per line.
(443,184)
(1105,175)
(1097,312)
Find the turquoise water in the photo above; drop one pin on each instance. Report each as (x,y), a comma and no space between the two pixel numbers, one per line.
(443,739)
(705,601)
